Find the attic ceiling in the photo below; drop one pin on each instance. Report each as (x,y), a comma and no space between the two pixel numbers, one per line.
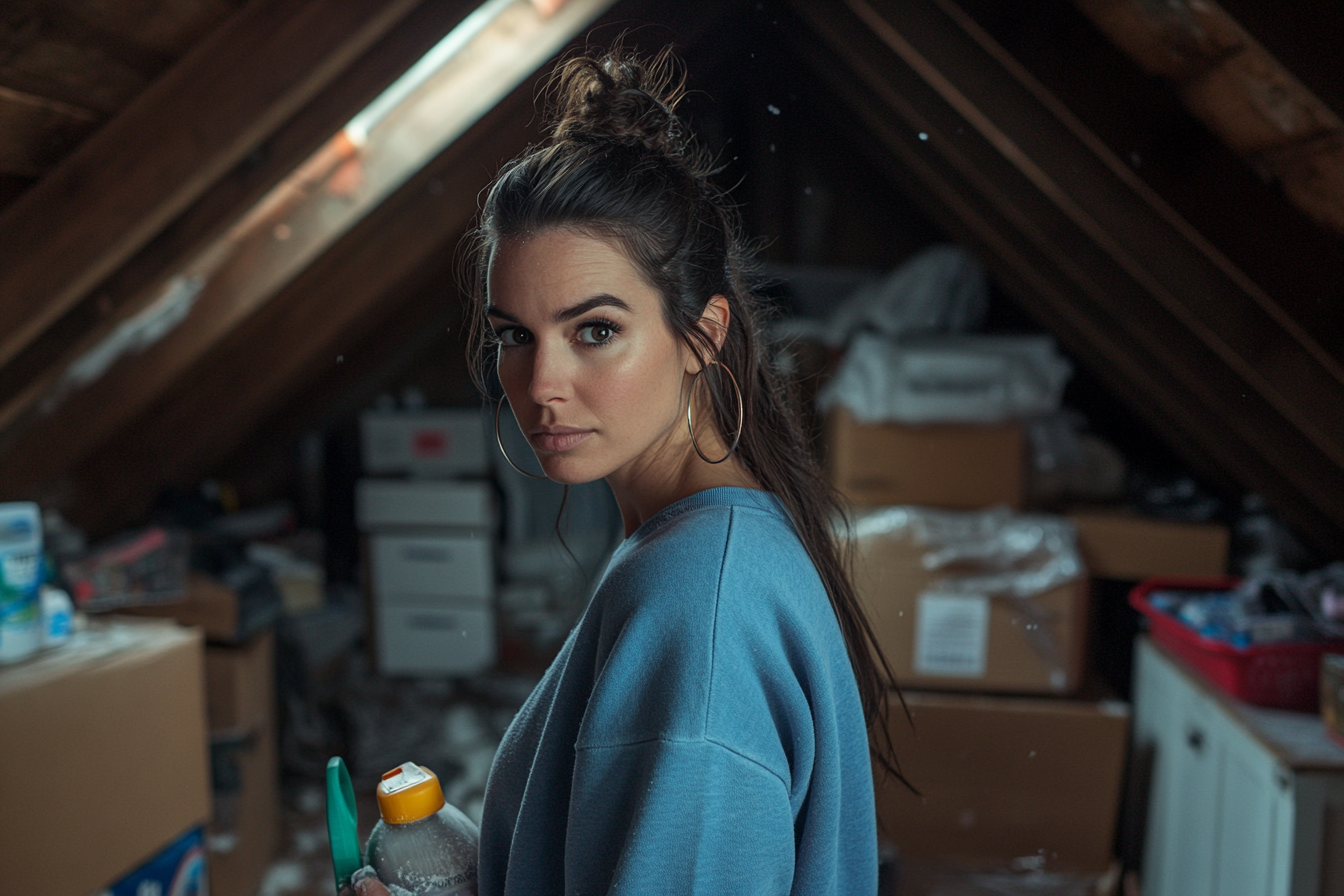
(132,135)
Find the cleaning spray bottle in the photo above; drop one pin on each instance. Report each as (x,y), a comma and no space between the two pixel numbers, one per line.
(421,846)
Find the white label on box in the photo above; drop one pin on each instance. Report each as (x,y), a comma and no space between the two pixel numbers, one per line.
(951,635)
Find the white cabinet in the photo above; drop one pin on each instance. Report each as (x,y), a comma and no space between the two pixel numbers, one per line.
(1244,800)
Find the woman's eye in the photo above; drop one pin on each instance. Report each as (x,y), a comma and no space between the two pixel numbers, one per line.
(513,336)
(596,334)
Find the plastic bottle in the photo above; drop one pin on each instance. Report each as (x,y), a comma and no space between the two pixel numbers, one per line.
(58,616)
(422,845)
(20,579)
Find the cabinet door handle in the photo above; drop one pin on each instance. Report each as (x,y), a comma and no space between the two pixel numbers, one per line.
(1195,738)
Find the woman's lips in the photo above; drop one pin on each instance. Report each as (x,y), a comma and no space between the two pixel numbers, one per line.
(561,438)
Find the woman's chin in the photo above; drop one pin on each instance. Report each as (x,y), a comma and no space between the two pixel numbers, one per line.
(569,470)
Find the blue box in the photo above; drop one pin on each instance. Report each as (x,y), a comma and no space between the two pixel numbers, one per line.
(179,870)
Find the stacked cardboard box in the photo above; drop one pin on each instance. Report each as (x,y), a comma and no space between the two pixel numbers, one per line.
(1120,545)
(1026,783)
(959,628)
(240,710)
(967,466)
(1015,769)
(103,758)
(244,824)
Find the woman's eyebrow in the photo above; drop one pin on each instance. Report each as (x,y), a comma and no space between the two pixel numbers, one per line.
(587,305)
(569,313)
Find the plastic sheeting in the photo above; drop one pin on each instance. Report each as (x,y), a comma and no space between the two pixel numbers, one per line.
(948,379)
(993,553)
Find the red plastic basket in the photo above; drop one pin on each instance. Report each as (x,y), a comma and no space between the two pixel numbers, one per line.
(1283,676)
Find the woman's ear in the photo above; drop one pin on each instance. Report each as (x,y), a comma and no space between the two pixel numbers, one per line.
(714,322)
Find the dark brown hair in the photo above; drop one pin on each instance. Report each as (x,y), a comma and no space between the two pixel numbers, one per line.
(620,165)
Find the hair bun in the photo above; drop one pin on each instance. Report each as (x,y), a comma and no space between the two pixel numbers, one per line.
(618,97)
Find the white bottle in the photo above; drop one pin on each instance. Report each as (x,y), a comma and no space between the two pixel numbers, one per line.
(58,616)
(20,578)
(422,845)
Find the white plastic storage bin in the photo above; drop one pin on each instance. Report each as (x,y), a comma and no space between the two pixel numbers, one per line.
(432,566)
(403,503)
(424,443)
(434,639)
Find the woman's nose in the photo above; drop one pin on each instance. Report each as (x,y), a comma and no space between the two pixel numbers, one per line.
(551,375)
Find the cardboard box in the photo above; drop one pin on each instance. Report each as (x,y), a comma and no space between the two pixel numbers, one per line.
(215,608)
(978,642)
(941,879)
(240,685)
(424,443)
(102,755)
(245,827)
(208,605)
(393,503)
(961,466)
(1119,545)
(1006,781)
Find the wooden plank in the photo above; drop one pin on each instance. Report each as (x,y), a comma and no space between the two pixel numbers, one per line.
(299,336)
(1079,237)
(108,198)
(35,131)
(1239,91)
(28,381)
(1312,176)
(166,27)
(68,71)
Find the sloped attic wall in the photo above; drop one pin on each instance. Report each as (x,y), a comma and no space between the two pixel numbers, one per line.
(1166,298)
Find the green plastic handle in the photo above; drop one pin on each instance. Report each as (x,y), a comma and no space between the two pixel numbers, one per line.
(342,830)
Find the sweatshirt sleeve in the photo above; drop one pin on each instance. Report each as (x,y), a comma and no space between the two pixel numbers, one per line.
(669,816)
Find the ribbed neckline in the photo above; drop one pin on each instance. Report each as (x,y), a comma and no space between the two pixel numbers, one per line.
(719,496)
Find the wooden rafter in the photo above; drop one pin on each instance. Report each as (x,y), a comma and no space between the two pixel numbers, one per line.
(148,164)
(298,336)
(1192,344)
(1239,91)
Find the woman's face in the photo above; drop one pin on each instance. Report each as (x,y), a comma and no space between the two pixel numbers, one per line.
(593,373)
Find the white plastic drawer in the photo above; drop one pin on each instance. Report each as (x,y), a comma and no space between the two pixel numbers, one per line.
(434,639)
(384,503)
(432,566)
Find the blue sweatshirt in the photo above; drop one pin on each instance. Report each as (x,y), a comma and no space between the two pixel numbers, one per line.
(700,730)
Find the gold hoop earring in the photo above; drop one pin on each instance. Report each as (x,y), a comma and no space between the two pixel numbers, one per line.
(500,443)
(690,403)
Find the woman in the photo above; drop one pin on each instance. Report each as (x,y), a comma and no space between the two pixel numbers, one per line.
(705,726)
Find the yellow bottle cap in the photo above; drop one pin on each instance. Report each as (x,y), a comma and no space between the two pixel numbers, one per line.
(409,793)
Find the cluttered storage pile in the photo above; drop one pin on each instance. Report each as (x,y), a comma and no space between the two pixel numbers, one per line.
(947,443)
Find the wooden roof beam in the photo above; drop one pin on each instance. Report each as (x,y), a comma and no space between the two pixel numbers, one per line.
(298,337)
(1231,83)
(148,164)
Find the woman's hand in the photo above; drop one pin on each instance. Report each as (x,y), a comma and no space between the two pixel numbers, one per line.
(365,882)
